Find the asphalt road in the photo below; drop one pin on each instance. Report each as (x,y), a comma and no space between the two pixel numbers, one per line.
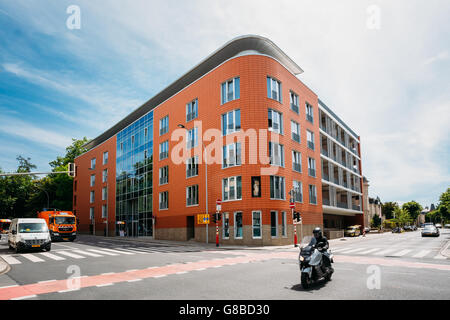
(385,266)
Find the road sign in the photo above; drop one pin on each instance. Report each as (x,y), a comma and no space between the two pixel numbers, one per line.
(219,202)
(218,207)
(292,205)
(203,218)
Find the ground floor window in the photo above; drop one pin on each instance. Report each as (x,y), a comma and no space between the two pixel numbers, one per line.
(238,225)
(273,224)
(226,226)
(283,224)
(256,224)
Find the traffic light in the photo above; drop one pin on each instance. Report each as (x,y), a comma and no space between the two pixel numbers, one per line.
(297,216)
(71,169)
(219,216)
(214,218)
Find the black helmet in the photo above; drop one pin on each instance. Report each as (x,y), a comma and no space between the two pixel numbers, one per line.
(317,232)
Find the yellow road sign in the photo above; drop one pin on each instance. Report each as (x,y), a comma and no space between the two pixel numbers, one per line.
(203,218)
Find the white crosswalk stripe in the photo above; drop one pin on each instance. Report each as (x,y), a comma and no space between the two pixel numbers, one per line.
(131,250)
(52,256)
(32,258)
(353,250)
(86,253)
(70,254)
(117,251)
(439,257)
(103,252)
(369,251)
(401,253)
(421,254)
(384,252)
(10,259)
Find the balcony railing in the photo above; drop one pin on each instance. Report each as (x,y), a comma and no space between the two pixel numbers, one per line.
(191,116)
(357,208)
(326,202)
(298,197)
(294,108)
(297,167)
(296,137)
(163,130)
(342,205)
(312,172)
(163,180)
(311,145)
(163,155)
(325,176)
(313,200)
(309,118)
(191,201)
(324,152)
(163,205)
(192,172)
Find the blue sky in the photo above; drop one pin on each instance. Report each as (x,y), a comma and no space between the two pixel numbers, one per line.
(389,84)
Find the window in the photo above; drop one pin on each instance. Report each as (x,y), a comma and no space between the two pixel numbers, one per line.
(93,164)
(310,138)
(230,90)
(192,110)
(226,226)
(192,138)
(298,191)
(164,175)
(283,224)
(231,122)
(312,194)
(105,157)
(296,161)
(295,131)
(104,193)
(192,167)
(105,175)
(256,224)
(312,167)
(163,150)
(274,224)
(164,125)
(232,188)
(104,211)
(277,187)
(163,200)
(273,89)
(275,121)
(238,225)
(192,195)
(276,154)
(92,180)
(91,213)
(92,198)
(231,155)
(294,102)
(309,113)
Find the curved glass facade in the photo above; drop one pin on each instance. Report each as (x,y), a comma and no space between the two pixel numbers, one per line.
(134,168)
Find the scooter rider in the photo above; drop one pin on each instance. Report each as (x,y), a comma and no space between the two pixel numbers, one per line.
(320,242)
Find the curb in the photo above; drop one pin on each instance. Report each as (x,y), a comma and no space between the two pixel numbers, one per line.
(4,267)
(444,249)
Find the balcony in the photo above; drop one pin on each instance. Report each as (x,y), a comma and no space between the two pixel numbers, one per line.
(325,176)
(297,167)
(324,152)
(355,207)
(342,205)
(326,202)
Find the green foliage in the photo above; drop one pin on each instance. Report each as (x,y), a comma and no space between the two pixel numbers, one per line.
(413,208)
(388,224)
(23,196)
(402,217)
(388,208)
(376,221)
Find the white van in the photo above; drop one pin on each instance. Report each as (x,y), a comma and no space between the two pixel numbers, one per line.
(29,234)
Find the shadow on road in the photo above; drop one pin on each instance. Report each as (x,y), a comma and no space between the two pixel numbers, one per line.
(314,287)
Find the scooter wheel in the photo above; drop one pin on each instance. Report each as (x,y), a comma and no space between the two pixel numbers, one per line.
(306,281)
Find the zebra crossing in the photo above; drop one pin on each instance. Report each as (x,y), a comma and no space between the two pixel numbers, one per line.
(91,252)
(390,252)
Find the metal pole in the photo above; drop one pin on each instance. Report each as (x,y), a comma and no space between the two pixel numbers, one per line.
(48,199)
(206,187)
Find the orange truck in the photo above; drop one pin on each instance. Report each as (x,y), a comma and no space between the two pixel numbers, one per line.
(4,227)
(61,224)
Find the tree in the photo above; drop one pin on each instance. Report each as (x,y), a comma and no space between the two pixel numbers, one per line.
(376,221)
(72,151)
(413,208)
(388,208)
(402,217)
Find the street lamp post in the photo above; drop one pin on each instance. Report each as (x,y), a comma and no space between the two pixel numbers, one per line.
(206,180)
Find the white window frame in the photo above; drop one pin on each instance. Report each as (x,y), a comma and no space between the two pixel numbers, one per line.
(160,200)
(310,138)
(161,174)
(295,129)
(226,130)
(192,190)
(192,138)
(280,179)
(92,180)
(92,213)
(312,165)
(315,193)
(191,162)
(278,149)
(227,159)
(192,109)
(278,88)
(280,123)
(260,224)
(92,196)
(225,85)
(228,179)
(226,215)
(104,193)
(309,112)
(162,147)
(105,157)
(163,128)
(293,100)
(105,175)
(283,224)
(298,187)
(104,211)
(235,225)
(294,153)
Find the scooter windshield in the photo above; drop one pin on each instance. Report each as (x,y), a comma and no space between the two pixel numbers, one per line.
(316,257)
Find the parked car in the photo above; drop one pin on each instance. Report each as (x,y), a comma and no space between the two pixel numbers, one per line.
(29,234)
(438,225)
(366,229)
(352,231)
(422,225)
(447,226)
(430,231)
(414,227)
(398,230)
(407,228)
(428,224)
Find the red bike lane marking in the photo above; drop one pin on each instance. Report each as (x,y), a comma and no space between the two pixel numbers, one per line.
(91,281)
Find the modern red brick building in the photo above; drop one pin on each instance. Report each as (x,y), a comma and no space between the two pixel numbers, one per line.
(266,137)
